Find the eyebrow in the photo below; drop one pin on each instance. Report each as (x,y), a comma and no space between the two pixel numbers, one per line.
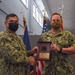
(55,19)
(13,21)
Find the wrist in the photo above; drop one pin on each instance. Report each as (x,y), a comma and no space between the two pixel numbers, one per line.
(60,50)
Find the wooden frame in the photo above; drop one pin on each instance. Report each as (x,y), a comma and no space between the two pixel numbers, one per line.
(43,52)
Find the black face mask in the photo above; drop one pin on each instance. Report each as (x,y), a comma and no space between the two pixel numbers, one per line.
(13,26)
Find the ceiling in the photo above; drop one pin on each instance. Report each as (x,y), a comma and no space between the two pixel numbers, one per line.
(67,9)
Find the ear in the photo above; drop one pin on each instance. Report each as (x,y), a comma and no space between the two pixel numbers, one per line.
(62,20)
(50,21)
(5,23)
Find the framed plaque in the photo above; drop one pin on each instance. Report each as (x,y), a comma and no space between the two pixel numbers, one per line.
(43,52)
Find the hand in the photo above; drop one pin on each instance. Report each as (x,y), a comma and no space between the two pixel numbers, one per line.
(35,56)
(31,60)
(54,47)
(34,50)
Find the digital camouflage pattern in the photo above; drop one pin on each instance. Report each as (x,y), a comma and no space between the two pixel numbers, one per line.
(60,63)
(13,55)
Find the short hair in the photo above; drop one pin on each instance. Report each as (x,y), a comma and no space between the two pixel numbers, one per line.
(11,15)
(56,14)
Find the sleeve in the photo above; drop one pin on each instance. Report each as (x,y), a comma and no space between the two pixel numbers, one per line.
(29,53)
(72,39)
(12,54)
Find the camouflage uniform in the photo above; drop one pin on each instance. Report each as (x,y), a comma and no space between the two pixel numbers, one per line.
(13,55)
(60,63)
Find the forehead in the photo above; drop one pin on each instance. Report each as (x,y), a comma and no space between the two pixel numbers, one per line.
(12,18)
(56,17)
